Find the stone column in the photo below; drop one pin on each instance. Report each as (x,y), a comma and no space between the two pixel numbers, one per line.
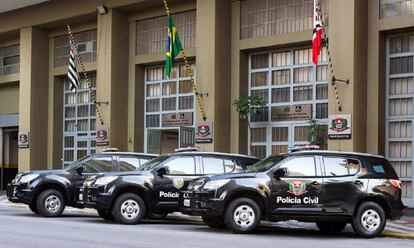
(33,95)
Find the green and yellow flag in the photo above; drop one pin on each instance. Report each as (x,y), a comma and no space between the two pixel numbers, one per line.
(173,46)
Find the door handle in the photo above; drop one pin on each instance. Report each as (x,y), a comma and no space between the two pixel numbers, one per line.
(314,183)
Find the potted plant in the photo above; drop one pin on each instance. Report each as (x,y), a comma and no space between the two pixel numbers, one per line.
(248,106)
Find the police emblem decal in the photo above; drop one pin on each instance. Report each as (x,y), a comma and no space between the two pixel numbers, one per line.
(178,182)
(297,188)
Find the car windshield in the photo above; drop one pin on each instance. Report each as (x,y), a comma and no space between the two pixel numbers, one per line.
(265,164)
(75,163)
(152,163)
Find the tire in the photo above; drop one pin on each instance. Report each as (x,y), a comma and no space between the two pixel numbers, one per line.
(154,216)
(331,227)
(33,207)
(105,214)
(129,209)
(50,203)
(369,220)
(242,215)
(215,222)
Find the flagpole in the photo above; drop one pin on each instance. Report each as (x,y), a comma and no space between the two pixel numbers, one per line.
(189,72)
(93,97)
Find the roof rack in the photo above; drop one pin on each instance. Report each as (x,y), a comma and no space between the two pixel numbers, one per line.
(304,148)
(188,149)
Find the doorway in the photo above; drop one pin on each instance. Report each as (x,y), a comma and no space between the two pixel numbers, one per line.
(164,141)
(9,166)
(169,141)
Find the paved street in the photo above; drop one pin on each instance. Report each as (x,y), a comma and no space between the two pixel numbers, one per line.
(20,228)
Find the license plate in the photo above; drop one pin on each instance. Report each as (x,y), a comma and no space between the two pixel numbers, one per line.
(80,197)
(186,203)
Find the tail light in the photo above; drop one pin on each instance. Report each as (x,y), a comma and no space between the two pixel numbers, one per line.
(395,183)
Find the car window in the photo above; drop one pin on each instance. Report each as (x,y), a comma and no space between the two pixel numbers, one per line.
(128,163)
(98,164)
(300,167)
(144,160)
(181,166)
(213,165)
(335,166)
(229,165)
(382,168)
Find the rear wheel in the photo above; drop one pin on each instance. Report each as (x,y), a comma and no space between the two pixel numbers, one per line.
(129,209)
(216,222)
(33,207)
(242,215)
(105,214)
(369,220)
(50,203)
(331,227)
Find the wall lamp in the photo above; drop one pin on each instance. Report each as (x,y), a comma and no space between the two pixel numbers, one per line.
(102,9)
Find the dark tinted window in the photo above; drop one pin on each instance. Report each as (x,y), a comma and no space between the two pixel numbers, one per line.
(98,164)
(213,165)
(181,166)
(128,163)
(335,166)
(300,167)
(381,168)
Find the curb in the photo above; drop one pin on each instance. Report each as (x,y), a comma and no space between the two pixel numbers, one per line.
(398,235)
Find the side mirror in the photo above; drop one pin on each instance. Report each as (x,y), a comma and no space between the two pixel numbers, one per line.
(80,170)
(162,171)
(281,172)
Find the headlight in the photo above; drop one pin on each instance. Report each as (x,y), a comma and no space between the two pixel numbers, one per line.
(215,184)
(28,178)
(195,185)
(105,180)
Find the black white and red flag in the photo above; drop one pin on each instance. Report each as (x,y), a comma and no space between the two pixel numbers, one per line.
(317,32)
(72,72)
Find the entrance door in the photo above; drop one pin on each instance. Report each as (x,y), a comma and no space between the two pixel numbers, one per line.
(9,161)
(169,141)
(187,138)
(154,141)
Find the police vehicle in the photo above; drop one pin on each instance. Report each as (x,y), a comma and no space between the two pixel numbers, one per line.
(154,189)
(47,192)
(329,188)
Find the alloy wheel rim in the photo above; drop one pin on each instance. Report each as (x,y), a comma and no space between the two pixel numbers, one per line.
(52,204)
(244,216)
(130,209)
(370,220)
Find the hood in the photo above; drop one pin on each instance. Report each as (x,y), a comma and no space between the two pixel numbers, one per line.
(46,172)
(233,176)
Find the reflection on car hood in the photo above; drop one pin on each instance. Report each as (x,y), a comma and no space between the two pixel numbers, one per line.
(233,176)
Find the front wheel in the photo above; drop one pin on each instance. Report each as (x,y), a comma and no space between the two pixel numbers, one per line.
(129,209)
(215,222)
(105,214)
(50,203)
(369,220)
(242,215)
(331,227)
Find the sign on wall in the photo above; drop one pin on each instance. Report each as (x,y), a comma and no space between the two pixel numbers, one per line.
(204,132)
(23,140)
(102,137)
(292,113)
(177,119)
(340,127)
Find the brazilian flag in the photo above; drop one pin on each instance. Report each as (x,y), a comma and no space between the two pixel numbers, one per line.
(173,46)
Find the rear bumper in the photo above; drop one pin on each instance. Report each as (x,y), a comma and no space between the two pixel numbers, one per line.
(201,204)
(397,210)
(93,198)
(19,193)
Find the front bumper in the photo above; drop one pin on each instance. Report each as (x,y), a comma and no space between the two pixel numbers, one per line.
(93,197)
(19,193)
(201,203)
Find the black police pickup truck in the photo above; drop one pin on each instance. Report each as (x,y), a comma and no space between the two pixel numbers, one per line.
(47,192)
(329,188)
(154,189)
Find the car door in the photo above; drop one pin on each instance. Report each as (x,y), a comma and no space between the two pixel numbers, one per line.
(180,171)
(300,189)
(342,187)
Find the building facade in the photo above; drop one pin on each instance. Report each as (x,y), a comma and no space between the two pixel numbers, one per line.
(235,49)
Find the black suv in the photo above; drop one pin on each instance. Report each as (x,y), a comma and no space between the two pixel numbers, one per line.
(329,188)
(47,192)
(154,189)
